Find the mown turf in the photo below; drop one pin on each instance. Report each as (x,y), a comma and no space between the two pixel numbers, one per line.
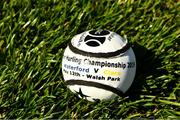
(34,34)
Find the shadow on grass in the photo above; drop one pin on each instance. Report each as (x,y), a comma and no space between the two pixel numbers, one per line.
(2,58)
(2,52)
(147,66)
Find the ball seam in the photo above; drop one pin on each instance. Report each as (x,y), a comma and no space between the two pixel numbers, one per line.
(94,84)
(99,54)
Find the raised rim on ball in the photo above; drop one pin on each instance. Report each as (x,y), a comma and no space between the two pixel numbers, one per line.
(99,54)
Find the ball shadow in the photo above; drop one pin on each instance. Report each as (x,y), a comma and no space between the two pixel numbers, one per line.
(147,65)
(2,58)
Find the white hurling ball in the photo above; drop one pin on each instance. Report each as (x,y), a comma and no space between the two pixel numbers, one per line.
(98,65)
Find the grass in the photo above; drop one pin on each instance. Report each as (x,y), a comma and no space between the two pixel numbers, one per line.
(34,34)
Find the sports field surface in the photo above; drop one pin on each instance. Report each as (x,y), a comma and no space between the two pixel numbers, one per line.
(34,34)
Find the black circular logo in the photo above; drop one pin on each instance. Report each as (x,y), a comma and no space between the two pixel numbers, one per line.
(97,39)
